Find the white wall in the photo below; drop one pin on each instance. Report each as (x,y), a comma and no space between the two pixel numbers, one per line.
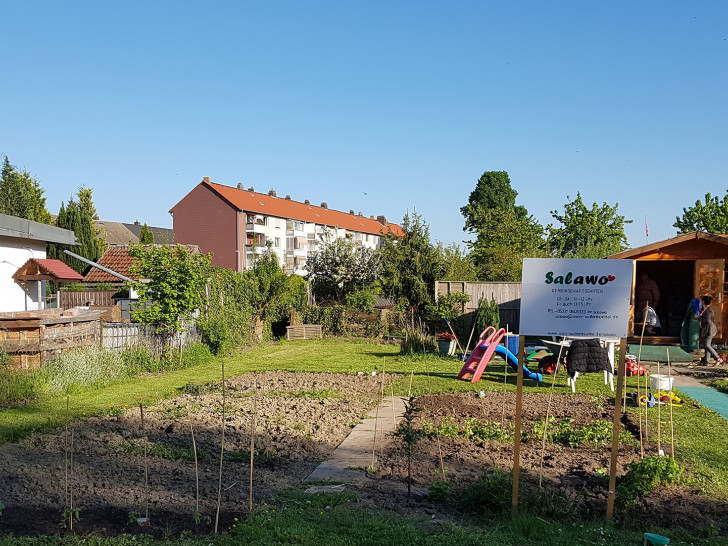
(14,252)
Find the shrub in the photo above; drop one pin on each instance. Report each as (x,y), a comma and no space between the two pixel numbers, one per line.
(5,358)
(645,475)
(361,300)
(417,342)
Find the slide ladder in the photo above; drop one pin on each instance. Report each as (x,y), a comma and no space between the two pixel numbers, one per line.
(481,355)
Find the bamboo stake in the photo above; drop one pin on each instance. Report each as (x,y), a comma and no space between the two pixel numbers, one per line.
(517,438)
(394,417)
(437,432)
(647,437)
(197,473)
(68,398)
(611,495)
(456,337)
(222,448)
(146,466)
(505,384)
(252,445)
(672,425)
(546,423)
(639,406)
(659,411)
(70,511)
(412,376)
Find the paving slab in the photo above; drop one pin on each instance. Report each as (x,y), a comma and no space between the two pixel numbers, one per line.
(354,454)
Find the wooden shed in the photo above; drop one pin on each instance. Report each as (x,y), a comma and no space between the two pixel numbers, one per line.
(683,267)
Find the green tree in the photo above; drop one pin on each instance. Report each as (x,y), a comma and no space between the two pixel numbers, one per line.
(338,267)
(503,239)
(710,217)
(411,265)
(78,216)
(457,265)
(21,195)
(594,232)
(504,233)
(271,293)
(171,286)
(492,191)
(146,236)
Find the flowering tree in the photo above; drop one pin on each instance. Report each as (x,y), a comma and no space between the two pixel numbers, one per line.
(339,267)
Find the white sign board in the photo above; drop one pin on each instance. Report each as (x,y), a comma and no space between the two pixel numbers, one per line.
(563,297)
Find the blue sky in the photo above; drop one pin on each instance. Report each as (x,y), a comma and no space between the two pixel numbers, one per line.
(380,107)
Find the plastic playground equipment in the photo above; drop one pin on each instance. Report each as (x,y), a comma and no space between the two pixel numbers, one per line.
(488,345)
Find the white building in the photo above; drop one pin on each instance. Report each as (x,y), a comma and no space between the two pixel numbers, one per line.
(21,240)
(236,225)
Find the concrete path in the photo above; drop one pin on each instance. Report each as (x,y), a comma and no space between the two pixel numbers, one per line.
(354,454)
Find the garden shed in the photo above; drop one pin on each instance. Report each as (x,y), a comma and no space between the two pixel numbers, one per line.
(683,267)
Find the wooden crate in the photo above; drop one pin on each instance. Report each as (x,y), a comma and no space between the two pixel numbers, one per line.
(304,331)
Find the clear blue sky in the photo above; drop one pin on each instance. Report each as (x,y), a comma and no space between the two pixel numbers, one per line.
(380,107)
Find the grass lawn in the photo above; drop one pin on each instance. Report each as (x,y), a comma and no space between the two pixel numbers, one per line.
(700,439)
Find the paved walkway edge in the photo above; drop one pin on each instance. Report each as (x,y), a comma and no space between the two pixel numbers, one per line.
(354,454)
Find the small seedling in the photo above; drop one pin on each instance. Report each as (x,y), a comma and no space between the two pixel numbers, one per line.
(133,516)
(410,435)
(198,517)
(2,507)
(68,515)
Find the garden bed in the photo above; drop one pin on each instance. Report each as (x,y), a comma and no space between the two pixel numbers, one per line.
(301,418)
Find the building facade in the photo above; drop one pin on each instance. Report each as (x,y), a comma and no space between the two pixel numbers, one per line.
(239,225)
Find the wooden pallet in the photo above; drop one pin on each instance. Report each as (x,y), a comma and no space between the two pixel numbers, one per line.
(305,331)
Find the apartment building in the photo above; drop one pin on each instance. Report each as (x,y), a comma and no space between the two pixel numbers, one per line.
(238,224)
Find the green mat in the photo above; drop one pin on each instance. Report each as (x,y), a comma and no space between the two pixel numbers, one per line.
(711,398)
(658,353)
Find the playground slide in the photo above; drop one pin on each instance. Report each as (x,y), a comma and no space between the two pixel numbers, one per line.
(513,361)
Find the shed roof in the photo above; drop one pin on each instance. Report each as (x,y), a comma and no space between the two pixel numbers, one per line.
(692,236)
(36,269)
(262,203)
(22,228)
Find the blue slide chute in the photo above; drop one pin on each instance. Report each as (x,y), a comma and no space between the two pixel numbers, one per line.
(513,361)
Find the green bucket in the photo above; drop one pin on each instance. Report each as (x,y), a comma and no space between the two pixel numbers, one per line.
(651,539)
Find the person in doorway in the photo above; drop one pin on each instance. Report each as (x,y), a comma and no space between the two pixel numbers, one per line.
(708,331)
(648,294)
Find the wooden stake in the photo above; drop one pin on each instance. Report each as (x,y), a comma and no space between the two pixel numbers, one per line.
(68,399)
(197,472)
(409,393)
(546,423)
(222,447)
(672,425)
(615,430)
(647,436)
(659,409)
(70,515)
(146,466)
(517,439)
(639,406)
(252,445)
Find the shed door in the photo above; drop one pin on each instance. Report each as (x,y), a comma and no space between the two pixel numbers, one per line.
(709,282)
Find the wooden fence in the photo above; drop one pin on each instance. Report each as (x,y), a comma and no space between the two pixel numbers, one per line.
(506,294)
(70,299)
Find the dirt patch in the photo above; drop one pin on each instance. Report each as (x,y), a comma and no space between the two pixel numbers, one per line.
(301,418)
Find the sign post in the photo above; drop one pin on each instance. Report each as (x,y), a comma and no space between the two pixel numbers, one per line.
(575,298)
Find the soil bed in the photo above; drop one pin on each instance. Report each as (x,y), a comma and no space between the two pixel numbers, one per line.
(301,418)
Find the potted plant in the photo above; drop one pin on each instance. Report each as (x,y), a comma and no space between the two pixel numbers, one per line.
(446,343)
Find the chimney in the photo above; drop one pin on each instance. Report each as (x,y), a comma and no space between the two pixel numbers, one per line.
(251,188)
(272,193)
(206,179)
(371,217)
(359,213)
(351,212)
(137,223)
(306,202)
(288,197)
(240,185)
(382,220)
(324,205)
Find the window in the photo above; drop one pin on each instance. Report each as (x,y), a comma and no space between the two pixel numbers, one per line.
(298,226)
(278,242)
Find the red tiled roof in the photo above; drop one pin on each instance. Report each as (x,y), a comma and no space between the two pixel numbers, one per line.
(262,203)
(117,259)
(54,268)
(394,228)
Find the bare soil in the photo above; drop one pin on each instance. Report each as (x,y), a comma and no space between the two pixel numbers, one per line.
(300,419)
